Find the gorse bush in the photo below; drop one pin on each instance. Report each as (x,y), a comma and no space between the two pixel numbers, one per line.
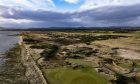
(31,40)
(80,52)
(49,52)
(41,46)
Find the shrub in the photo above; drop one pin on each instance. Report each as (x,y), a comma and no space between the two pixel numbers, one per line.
(79,52)
(49,52)
(31,40)
(41,46)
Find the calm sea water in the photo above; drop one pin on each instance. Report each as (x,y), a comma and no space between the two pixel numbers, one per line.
(6,41)
(11,70)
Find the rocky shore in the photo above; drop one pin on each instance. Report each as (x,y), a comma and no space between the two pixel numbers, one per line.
(13,71)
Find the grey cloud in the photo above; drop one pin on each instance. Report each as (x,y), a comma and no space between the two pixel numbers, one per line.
(113,13)
(104,16)
(36,15)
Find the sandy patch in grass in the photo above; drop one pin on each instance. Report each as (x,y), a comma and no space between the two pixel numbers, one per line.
(129,54)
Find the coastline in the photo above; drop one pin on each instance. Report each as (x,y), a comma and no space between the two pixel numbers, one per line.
(13,71)
(21,68)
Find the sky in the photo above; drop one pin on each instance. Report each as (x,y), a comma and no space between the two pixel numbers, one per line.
(69,13)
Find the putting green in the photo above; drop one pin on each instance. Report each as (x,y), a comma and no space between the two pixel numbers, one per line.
(84,80)
(70,76)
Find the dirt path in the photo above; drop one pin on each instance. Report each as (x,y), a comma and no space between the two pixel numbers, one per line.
(129,54)
(20,40)
(33,73)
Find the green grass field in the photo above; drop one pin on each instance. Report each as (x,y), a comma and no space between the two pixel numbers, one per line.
(70,76)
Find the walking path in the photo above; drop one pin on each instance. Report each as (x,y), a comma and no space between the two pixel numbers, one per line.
(33,73)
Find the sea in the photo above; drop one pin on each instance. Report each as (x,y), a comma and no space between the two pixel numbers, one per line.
(8,39)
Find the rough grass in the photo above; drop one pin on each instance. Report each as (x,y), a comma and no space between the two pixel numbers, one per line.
(125,65)
(137,34)
(70,76)
(81,62)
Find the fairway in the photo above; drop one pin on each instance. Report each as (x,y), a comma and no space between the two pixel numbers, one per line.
(70,76)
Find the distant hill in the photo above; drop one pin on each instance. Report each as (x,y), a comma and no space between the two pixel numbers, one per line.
(1,28)
(70,28)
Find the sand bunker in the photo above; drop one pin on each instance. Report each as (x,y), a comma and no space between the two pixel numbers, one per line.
(129,54)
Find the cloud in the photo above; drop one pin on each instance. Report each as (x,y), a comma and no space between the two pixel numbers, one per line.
(90,4)
(102,16)
(51,5)
(72,1)
(113,16)
(29,4)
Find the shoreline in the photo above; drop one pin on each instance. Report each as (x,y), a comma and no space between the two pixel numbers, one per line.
(15,73)
(13,65)
(31,74)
